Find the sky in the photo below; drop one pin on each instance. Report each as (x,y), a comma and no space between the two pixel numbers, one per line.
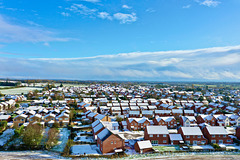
(129,40)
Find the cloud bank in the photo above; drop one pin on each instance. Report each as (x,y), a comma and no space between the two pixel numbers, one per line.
(210,64)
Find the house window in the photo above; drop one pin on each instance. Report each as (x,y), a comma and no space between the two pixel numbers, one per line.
(213,141)
(164,141)
(115,142)
(187,142)
(224,135)
(164,135)
(187,136)
(111,142)
(66,118)
(154,142)
(220,141)
(51,118)
(199,136)
(60,118)
(158,135)
(229,140)
(150,135)
(203,142)
(22,119)
(213,136)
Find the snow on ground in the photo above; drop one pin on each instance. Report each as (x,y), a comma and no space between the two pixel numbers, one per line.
(29,155)
(87,139)
(63,138)
(84,149)
(80,138)
(6,136)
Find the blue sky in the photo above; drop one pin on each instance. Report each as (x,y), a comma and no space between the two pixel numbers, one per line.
(155,40)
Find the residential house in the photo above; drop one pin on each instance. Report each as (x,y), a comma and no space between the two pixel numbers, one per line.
(208,119)
(176,139)
(217,134)
(192,135)
(157,134)
(188,121)
(137,123)
(109,142)
(19,120)
(143,146)
(170,122)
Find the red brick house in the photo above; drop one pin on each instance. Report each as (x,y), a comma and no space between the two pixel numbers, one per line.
(134,114)
(188,121)
(192,135)
(170,122)
(217,134)
(157,134)
(211,120)
(238,132)
(137,123)
(143,146)
(109,142)
(163,113)
(188,112)
(175,139)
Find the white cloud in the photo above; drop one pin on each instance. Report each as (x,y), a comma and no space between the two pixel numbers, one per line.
(46,44)
(230,59)
(10,32)
(126,6)
(104,15)
(81,9)
(231,75)
(65,14)
(125,18)
(177,74)
(92,1)
(200,64)
(150,10)
(209,3)
(187,6)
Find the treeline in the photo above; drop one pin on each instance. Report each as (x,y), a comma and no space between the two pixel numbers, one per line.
(9,84)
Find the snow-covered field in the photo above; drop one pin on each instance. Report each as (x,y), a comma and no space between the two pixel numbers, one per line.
(23,90)
(84,149)
(7,135)
(63,138)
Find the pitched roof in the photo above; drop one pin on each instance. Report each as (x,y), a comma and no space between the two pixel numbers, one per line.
(104,134)
(157,130)
(191,131)
(175,137)
(144,144)
(216,130)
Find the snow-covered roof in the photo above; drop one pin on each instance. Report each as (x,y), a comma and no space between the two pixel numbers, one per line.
(157,130)
(175,137)
(139,120)
(188,111)
(191,131)
(216,130)
(98,127)
(144,144)
(95,123)
(104,134)
(100,116)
